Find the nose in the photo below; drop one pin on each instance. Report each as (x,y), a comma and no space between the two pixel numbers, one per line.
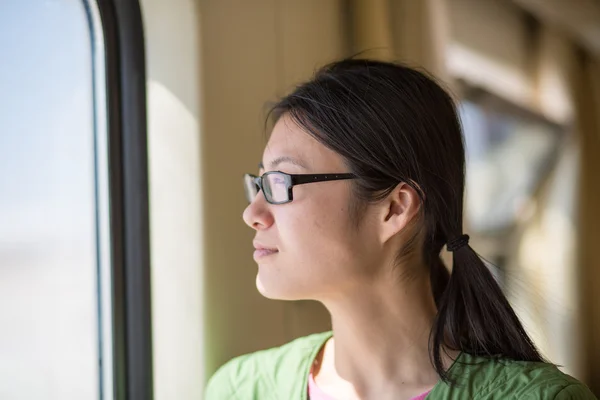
(257,215)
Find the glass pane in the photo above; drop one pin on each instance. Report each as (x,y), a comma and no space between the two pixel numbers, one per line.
(277,187)
(250,188)
(49,302)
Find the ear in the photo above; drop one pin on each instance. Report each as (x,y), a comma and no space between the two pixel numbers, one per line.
(398,210)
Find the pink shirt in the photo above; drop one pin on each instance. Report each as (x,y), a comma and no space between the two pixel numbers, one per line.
(315,393)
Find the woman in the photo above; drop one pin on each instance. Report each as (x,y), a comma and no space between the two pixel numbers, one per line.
(361,186)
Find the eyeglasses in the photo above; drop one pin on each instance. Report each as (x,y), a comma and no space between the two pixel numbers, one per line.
(277,186)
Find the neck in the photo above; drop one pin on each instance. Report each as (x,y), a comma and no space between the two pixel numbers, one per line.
(380,341)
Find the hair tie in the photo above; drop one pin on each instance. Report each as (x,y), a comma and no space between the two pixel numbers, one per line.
(457,243)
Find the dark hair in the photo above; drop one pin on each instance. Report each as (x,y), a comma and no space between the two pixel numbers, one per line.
(393,124)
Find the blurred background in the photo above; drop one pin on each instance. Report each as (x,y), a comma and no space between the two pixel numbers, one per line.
(126,270)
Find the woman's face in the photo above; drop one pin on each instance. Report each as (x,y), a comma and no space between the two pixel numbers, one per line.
(320,251)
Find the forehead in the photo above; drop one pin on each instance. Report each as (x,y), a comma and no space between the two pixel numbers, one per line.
(289,140)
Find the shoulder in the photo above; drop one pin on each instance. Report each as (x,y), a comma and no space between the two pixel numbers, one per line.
(266,372)
(499,378)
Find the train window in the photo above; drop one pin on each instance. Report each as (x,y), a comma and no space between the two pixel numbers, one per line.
(55,322)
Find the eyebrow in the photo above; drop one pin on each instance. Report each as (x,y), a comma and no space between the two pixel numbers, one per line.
(283,159)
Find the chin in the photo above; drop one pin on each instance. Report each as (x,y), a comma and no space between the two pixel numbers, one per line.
(277,292)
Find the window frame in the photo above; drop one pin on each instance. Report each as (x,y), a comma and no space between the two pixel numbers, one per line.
(124,44)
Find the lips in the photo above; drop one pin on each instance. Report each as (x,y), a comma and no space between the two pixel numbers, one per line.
(262,250)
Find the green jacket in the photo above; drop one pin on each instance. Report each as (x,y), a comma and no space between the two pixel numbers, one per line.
(281,373)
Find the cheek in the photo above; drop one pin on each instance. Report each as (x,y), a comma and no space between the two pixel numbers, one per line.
(320,236)
(322,252)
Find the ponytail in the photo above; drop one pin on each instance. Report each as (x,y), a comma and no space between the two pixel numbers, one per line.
(439,279)
(474,316)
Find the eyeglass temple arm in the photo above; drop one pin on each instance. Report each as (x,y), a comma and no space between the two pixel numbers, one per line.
(300,179)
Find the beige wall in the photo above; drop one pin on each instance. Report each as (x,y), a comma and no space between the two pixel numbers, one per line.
(173,72)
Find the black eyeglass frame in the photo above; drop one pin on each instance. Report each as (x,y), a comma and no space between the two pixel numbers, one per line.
(292,180)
